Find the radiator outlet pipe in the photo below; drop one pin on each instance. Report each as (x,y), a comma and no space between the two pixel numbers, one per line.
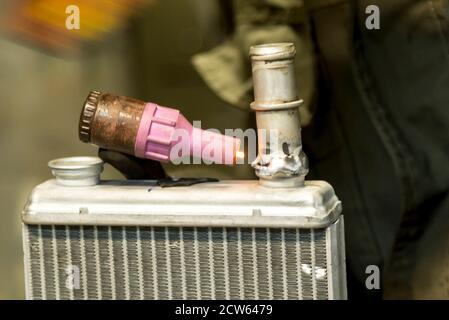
(281,161)
(147,130)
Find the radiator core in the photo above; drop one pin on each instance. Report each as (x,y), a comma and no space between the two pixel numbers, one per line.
(177,263)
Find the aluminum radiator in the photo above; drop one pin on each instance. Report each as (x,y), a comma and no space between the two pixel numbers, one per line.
(225,240)
(277,238)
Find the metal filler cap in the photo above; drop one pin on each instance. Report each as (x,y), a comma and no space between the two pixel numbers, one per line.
(77,171)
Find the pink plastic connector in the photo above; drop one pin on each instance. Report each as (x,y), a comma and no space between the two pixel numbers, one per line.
(165,135)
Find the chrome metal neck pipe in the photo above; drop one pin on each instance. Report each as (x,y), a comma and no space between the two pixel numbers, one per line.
(281,161)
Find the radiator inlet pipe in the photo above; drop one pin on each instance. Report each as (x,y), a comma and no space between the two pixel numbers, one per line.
(281,161)
(147,130)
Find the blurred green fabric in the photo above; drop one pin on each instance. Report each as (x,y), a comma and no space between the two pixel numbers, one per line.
(226,68)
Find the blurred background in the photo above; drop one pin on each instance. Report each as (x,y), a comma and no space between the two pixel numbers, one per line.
(144,52)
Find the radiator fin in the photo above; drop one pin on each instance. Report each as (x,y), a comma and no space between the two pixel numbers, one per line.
(176,263)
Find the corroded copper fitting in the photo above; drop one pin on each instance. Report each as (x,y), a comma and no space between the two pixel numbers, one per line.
(110,121)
